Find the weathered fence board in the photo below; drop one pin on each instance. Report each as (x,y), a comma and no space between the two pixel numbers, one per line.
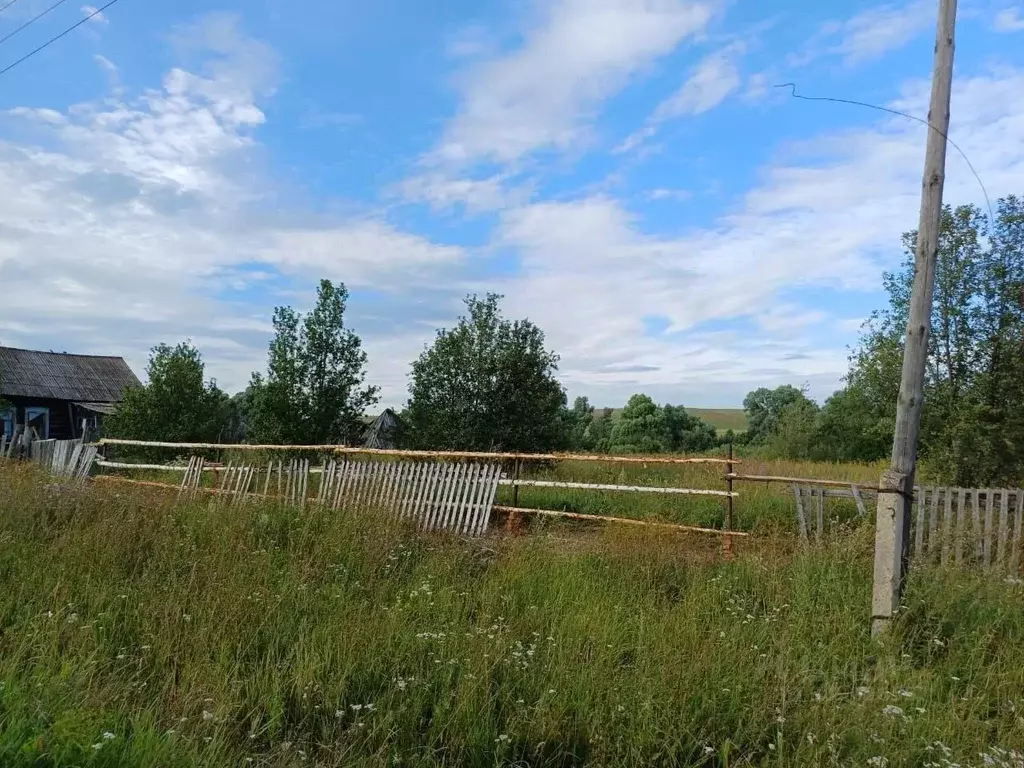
(67,459)
(813,519)
(968,526)
(981,527)
(454,497)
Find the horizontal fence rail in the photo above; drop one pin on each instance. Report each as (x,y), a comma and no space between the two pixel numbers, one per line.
(629,488)
(346,449)
(805,481)
(626,520)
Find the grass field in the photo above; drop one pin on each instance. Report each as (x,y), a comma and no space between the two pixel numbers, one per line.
(722,419)
(138,632)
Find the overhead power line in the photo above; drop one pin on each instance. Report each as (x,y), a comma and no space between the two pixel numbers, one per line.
(31,21)
(55,38)
(5,6)
(953,144)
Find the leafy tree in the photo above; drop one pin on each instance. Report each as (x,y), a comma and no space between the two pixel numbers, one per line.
(578,421)
(764,408)
(487,384)
(795,435)
(313,391)
(850,428)
(176,405)
(686,433)
(237,415)
(598,436)
(641,427)
(972,429)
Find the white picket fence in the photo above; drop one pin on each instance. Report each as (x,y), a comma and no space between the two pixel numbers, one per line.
(950,526)
(968,526)
(455,497)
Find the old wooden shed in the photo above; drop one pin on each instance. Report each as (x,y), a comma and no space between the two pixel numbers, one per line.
(54,391)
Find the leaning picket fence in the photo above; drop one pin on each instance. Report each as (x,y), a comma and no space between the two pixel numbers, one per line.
(67,459)
(454,497)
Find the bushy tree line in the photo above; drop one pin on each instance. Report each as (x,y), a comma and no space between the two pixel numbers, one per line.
(972,430)
(487,384)
(642,426)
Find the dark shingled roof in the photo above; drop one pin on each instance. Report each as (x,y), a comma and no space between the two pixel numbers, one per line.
(60,376)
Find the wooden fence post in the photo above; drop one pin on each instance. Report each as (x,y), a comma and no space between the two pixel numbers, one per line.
(728,487)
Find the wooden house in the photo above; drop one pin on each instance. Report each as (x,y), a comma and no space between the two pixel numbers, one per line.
(54,392)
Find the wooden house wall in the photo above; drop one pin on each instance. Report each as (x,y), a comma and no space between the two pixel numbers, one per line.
(61,414)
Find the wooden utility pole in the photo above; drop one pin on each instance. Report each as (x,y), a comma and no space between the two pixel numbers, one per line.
(895,499)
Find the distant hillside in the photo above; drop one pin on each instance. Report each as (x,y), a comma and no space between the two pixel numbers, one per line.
(721,419)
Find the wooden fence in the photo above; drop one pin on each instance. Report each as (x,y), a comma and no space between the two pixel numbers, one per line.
(454,497)
(447,484)
(811,517)
(949,526)
(68,459)
(968,526)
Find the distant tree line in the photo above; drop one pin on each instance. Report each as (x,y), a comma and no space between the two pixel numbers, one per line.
(972,430)
(489,383)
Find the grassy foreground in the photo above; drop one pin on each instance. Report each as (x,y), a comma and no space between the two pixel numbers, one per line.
(134,632)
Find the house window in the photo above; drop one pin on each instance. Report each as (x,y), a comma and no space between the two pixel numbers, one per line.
(39,419)
(7,422)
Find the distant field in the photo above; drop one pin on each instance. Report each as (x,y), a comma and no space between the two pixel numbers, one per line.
(720,418)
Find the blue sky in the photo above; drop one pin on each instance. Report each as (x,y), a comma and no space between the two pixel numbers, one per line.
(623,171)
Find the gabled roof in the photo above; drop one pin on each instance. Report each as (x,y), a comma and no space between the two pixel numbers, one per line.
(60,376)
(383,430)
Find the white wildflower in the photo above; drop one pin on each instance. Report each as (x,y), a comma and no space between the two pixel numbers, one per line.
(891,710)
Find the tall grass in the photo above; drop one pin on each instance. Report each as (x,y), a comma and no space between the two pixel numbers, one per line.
(138,632)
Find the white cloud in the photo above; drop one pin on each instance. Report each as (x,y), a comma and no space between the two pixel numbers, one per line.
(870,34)
(662,193)
(539,95)
(442,191)
(710,83)
(827,214)
(1009,20)
(145,220)
(93,11)
(105,63)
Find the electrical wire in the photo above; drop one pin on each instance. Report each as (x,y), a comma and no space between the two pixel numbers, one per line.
(7,5)
(55,38)
(31,21)
(795,95)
